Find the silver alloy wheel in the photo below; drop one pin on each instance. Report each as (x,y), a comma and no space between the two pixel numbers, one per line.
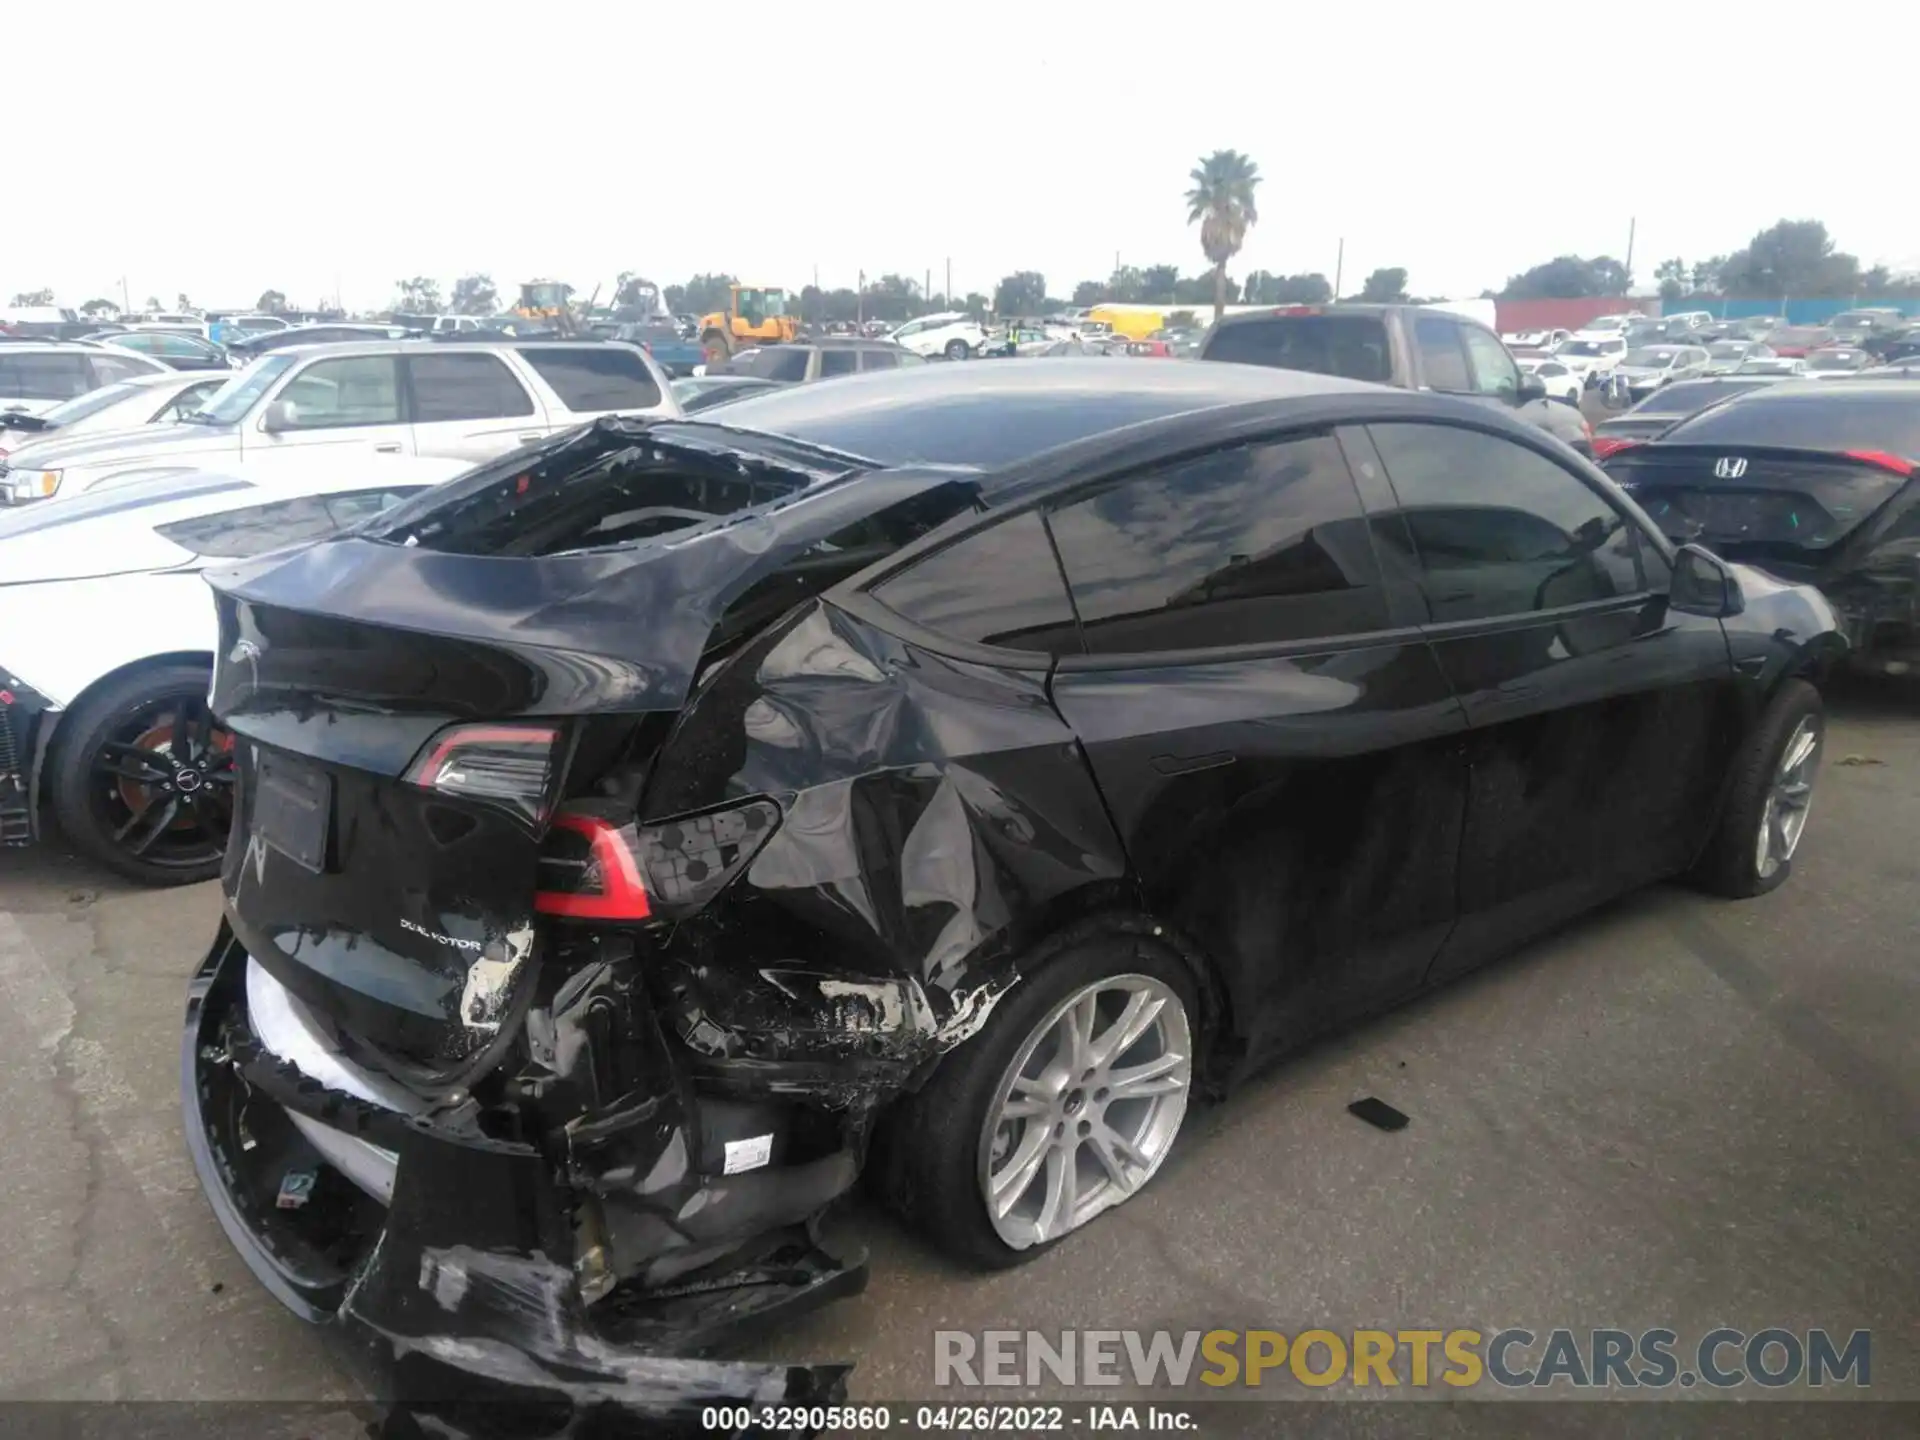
(1087,1109)
(1784,817)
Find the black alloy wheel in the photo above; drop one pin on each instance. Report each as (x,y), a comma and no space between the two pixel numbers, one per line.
(143,781)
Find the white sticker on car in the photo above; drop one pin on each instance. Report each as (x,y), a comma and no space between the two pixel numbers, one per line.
(749,1154)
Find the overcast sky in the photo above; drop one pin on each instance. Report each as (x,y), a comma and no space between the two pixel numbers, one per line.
(344,144)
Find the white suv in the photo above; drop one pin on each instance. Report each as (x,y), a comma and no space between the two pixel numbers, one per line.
(36,375)
(955,335)
(462,401)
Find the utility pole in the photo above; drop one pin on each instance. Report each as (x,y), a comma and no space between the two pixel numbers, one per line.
(926,293)
(125,303)
(1339,265)
(950,282)
(1632,224)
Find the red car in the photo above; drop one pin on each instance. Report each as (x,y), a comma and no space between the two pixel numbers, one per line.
(1796,341)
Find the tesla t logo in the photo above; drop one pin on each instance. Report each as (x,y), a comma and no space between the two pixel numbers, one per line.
(1729,467)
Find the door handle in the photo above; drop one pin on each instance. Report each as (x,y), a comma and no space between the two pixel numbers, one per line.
(530,436)
(393,449)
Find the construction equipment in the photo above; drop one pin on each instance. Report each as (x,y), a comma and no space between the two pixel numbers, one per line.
(754,316)
(545,300)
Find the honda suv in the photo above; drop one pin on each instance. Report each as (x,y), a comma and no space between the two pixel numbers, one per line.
(952,770)
(473,402)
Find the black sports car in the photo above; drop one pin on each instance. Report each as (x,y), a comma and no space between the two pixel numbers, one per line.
(949,771)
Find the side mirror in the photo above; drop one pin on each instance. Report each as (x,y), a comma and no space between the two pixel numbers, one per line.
(281,415)
(1532,387)
(1702,585)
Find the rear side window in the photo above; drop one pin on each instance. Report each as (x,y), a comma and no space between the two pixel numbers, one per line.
(46,377)
(1496,528)
(838,362)
(780,362)
(999,586)
(1842,421)
(880,360)
(1251,545)
(595,377)
(1442,361)
(1351,345)
(464,387)
(108,369)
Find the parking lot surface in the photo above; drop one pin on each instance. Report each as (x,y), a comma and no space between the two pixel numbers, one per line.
(1680,1112)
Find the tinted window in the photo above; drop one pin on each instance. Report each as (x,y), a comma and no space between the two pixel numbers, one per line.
(880,360)
(596,377)
(1688,396)
(353,390)
(999,586)
(838,362)
(1242,546)
(45,377)
(464,387)
(1351,345)
(1441,359)
(782,362)
(1497,528)
(1822,420)
(1494,372)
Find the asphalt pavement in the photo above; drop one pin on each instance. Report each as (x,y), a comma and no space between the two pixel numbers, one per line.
(1680,1112)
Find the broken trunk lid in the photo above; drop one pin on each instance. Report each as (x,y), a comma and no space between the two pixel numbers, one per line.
(407,719)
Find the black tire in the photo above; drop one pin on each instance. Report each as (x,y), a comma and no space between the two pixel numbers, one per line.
(91,805)
(958,350)
(928,1144)
(1730,864)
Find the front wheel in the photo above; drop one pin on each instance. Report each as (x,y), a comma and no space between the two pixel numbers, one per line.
(1769,794)
(1065,1105)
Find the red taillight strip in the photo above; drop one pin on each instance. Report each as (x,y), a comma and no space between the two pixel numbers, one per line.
(626,893)
(463,735)
(1605,445)
(1898,464)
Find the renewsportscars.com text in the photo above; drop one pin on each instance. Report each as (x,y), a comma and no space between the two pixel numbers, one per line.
(1514,1358)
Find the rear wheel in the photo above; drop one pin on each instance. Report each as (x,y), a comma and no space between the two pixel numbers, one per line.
(1768,797)
(1064,1106)
(142,779)
(957,350)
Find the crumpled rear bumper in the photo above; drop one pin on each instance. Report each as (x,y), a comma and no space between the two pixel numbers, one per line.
(462,1289)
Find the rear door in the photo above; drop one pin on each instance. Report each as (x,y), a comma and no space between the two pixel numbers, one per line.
(1277,746)
(346,401)
(468,405)
(1600,717)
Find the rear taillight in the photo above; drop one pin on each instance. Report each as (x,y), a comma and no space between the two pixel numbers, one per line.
(1898,464)
(1605,445)
(594,867)
(507,765)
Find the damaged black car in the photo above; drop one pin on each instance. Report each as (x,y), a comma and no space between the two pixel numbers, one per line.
(1812,481)
(946,774)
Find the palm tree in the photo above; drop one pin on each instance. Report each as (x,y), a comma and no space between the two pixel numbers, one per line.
(1222,201)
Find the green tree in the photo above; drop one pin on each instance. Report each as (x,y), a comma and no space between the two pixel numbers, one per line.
(271,302)
(100,310)
(1022,293)
(1182,320)
(1157,282)
(1088,293)
(1674,278)
(1201,290)
(1790,257)
(893,298)
(474,295)
(418,296)
(1266,288)
(34,297)
(1221,200)
(1127,285)
(1569,277)
(976,305)
(1385,286)
(702,295)
(181,302)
